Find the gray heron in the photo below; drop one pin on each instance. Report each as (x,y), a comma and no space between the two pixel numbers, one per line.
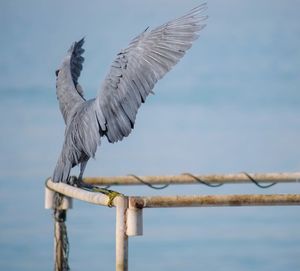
(130,79)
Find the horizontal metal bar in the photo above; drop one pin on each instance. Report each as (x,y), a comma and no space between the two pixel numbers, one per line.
(179,201)
(187,178)
(215,200)
(80,194)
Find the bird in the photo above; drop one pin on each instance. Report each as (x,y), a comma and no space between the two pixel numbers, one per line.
(129,81)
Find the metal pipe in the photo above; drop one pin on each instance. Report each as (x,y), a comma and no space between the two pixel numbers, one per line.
(187,178)
(78,193)
(134,223)
(138,203)
(215,200)
(121,237)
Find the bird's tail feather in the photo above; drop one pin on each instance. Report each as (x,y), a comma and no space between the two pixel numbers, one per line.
(62,171)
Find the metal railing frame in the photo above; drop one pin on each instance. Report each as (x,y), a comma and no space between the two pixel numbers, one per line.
(129,210)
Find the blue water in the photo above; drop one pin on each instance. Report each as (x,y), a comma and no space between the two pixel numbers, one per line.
(231,105)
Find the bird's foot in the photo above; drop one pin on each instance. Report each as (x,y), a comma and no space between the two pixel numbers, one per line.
(77,182)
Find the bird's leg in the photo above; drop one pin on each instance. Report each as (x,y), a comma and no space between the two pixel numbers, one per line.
(82,168)
(79,182)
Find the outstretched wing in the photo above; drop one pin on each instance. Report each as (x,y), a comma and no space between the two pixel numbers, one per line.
(69,92)
(136,69)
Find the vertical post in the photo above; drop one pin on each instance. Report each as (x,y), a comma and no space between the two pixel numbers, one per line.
(121,237)
(59,204)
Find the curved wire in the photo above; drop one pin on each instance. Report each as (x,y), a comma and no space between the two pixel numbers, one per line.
(256,182)
(201,181)
(148,184)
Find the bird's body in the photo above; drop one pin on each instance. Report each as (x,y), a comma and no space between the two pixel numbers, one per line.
(73,152)
(131,78)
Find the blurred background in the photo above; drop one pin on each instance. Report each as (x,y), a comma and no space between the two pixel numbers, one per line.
(231,105)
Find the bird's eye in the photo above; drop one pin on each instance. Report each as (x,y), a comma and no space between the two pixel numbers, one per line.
(56,72)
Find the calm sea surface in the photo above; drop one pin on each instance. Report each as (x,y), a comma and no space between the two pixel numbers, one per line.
(231,105)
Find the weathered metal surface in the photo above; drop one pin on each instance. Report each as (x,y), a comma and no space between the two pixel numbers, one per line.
(215,200)
(186,178)
(121,237)
(138,203)
(80,194)
(67,202)
(134,221)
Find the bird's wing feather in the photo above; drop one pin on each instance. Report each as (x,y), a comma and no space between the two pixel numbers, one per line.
(136,69)
(131,78)
(69,92)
